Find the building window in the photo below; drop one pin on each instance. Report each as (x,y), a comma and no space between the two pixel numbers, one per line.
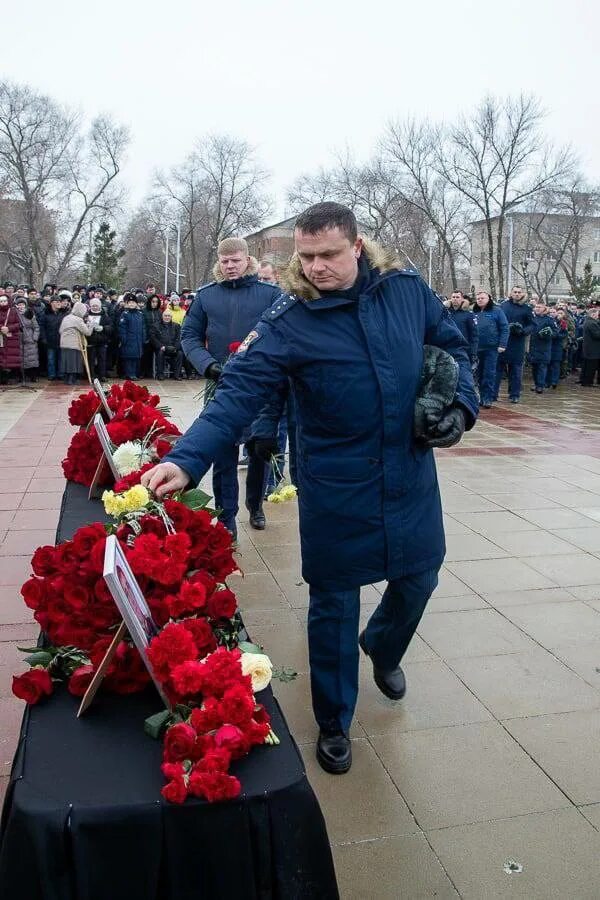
(552,256)
(482,258)
(597,233)
(596,255)
(529,255)
(556,279)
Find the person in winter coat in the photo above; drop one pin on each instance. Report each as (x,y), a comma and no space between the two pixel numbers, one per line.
(131,337)
(463,318)
(559,342)
(224,312)
(591,348)
(152,320)
(178,311)
(492,328)
(11,357)
(50,336)
(540,345)
(100,338)
(166,342)
(74,331)
(520,325)
(349,335)
(30,335)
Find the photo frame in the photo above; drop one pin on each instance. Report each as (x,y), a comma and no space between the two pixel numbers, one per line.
(137,617)
(106,444)
(103,398)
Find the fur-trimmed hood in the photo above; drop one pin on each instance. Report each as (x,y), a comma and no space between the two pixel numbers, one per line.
(294,282)
(465,305)
(522,302)
(251,270)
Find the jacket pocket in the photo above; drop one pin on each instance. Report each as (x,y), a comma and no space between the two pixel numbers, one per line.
(342,469)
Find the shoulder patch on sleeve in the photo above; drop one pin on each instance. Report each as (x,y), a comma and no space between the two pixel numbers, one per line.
(281,305)
(250,338)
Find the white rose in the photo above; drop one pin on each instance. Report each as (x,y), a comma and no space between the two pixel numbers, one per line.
(259,667)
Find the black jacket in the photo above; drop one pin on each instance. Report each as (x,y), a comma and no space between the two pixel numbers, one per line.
(591,339)
(98,338)
(49,329)
(168,336)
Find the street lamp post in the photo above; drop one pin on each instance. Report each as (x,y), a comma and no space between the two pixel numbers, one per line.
(510,255)
(177,255)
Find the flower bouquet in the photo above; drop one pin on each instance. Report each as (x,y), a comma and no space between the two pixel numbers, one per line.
(181,557)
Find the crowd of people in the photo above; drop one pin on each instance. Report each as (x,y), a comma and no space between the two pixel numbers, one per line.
(58,333)
(555,340)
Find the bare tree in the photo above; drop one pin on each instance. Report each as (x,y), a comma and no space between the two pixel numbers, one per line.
(218,191)
(497,159)
(411,148)
(51,169)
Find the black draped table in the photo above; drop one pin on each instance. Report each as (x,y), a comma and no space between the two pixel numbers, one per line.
(83,817)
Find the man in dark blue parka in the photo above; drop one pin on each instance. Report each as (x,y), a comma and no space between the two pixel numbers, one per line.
(349,336)
(520,325)
(540,345)
(223,312)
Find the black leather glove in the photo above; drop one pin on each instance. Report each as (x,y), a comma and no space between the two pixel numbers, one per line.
(263,448)
(447,431)
(545,332)
(516,328)
(214,371)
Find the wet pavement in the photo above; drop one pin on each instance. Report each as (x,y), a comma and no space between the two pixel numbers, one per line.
(484,781)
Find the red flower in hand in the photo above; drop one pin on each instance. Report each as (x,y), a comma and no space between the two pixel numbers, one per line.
(233,347)
(33,685)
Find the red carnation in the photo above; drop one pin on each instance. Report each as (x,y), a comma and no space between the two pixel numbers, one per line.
(175,791)
(187,678)
(216,760)
(214,786)
(237,705)
(32,686)
(202,634)
(173,646)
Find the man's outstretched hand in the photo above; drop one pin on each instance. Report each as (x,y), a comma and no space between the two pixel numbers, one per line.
(165,478)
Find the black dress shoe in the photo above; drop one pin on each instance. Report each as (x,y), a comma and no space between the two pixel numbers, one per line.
(257,519)
(392,683)
(334,752)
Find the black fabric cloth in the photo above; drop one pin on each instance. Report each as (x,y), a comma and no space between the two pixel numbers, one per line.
(83,817)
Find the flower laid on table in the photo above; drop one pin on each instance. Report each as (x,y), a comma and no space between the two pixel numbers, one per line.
(84,407)
(131,456)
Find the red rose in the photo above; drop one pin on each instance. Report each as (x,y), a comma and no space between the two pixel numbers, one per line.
(33,592)
(233,739)
(214,786)
(175,791)
(179,742)
(222,604)
(76,596)
(33,685)
(80,680)
(44,561)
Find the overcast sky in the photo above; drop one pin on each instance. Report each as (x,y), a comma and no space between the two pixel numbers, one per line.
(300,79)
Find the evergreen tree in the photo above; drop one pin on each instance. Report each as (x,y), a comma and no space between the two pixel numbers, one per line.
(587,284)
(103,262)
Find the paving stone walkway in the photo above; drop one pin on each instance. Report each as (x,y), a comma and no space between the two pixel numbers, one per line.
(491,761)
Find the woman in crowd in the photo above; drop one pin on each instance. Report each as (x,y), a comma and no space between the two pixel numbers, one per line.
(74,331)
(11,358)
(177,310)
(30,333)
(152,320)
(99,338)
(492,330)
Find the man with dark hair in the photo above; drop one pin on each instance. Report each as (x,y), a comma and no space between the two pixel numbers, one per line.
(266,272)
(350,338)
(520,325)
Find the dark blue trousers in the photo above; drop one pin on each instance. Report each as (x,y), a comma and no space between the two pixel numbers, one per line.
(513,369)
(282,435)
(486,374)
(539,370)
(333,641)
(131,366)
(226,487)
(553,374)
